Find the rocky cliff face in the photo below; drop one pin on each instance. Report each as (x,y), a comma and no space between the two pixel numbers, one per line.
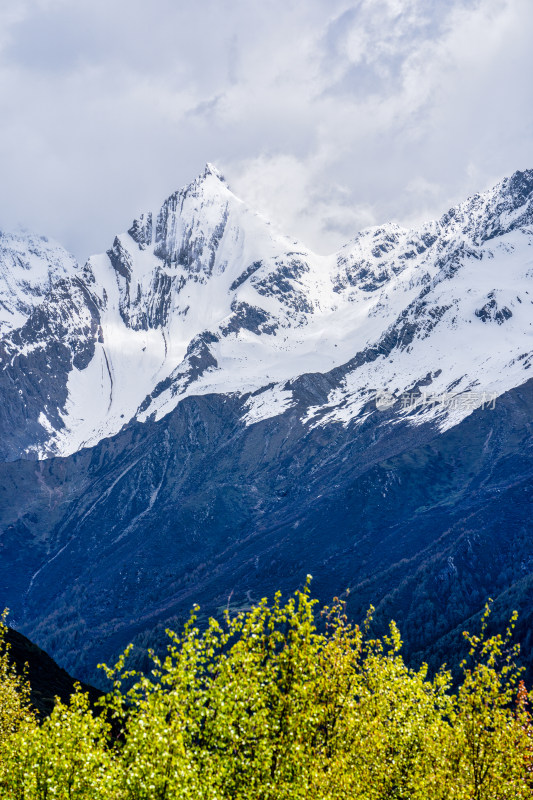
(209,411)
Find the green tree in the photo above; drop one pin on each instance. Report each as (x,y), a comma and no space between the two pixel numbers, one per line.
(269,706)
(15,706)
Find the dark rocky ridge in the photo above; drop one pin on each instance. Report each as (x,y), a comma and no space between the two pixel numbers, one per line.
(47,680)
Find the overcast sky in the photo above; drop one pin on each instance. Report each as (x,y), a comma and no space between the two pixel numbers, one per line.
(325,115)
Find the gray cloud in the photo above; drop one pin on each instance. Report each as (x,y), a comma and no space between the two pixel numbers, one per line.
(326,116)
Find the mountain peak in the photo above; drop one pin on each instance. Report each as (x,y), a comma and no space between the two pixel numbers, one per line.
(209,183)
(210,169)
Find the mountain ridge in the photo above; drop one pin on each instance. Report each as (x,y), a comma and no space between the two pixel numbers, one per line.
(203,296)
(47,680)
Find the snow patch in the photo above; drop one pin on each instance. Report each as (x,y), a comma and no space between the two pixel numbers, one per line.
(269,403)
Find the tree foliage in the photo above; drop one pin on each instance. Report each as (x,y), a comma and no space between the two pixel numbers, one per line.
(270,706)
(15,709)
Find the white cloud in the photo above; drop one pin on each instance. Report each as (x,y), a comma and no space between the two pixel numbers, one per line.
(326,116)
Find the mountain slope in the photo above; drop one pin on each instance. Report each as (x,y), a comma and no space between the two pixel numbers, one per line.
(109,544)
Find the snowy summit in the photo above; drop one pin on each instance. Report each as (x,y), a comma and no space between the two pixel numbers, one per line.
(202,296)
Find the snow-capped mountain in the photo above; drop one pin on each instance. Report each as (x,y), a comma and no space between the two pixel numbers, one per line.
(232,411)
(29,267)
(203,296)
